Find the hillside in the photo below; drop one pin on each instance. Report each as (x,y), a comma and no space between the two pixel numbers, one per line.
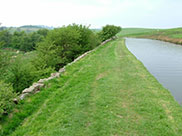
(134,31)
(173,35)
(26,28)
(109,92)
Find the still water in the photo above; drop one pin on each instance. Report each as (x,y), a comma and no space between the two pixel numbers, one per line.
(163,60)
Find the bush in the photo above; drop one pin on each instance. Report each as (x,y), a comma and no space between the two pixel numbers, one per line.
(4,63)
(6,98)
(109,31)
(22,73)
(63,45)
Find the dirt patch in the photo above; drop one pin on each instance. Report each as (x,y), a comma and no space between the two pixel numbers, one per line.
(102,75)
(168,112)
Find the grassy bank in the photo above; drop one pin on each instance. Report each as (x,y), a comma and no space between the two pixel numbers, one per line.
(168,35)
(127,32)
(109,92)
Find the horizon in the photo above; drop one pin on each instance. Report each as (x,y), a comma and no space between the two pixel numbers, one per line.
(90,28)
(98,13)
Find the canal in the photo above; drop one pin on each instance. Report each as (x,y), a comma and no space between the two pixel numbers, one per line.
(163,60)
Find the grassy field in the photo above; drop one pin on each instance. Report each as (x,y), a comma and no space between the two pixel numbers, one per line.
(134,31)
(169,35)
(107,93)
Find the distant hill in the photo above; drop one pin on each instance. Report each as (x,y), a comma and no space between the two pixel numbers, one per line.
(26,28)
(36,26)
(96,30)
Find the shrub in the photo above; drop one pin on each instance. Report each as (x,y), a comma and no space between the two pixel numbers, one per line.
(6,98)
(22,73)
(4,63)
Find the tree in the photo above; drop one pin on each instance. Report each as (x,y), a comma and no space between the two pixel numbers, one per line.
(43,32)
(109,31)
(5,38)
(27,41)
(63,45)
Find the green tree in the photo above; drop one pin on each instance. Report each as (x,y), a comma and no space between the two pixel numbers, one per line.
(43,32)
(109,31)
(63,45)
(57,49)
(27,41)
(5,38)
(18,39)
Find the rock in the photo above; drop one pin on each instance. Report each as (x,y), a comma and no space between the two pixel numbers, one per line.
(22,96)
(57,74)
(42,80)
(37,86)
(106,41)
(15,101)
(83,55)
(61,70)
(28,90)
(50,78)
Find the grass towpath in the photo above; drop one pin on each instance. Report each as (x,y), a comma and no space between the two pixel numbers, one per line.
(107,93)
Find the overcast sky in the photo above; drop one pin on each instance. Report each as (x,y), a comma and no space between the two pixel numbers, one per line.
(125,13)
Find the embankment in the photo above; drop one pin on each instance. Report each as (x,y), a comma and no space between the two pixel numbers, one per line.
(164,38)
(108,92)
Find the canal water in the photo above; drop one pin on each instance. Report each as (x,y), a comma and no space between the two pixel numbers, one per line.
(163,60)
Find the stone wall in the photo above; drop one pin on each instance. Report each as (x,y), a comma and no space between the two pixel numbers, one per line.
(36,87)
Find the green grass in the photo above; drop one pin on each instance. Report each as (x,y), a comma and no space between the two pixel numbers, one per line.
(172,33)
(134,31)
(107,93)
(147,33)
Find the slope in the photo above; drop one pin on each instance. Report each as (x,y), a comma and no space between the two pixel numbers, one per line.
(135,31)
(109,92)
(173,35)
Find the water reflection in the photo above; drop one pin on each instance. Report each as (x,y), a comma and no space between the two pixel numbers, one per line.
(163,60)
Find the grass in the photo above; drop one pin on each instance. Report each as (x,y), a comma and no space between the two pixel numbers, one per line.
(169,35)
(107,93)
(134,31)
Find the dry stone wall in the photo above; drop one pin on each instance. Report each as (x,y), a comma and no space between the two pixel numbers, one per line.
(36,87)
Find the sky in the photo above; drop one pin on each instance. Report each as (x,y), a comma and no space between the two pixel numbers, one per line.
(97,13)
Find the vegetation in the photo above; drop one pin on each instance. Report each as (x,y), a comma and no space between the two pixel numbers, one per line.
(64,44)
(28,57)
(6,98)
(109,31)
(4,62)
(169,35)
(21,40)
(26,28)
(109,92)
(134,31)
